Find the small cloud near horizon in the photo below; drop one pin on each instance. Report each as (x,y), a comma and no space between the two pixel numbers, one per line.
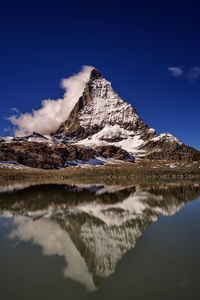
(176,71)
(192,73)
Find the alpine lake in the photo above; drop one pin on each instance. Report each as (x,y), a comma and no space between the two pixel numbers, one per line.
(64,241)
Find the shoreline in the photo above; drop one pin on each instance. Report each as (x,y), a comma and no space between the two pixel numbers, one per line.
(125,174)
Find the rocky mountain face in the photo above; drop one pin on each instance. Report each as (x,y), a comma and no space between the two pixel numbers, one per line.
(100,124)
(52,156)
(101,118)
(99,107)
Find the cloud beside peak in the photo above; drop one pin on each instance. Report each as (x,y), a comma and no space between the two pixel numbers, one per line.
(53,112)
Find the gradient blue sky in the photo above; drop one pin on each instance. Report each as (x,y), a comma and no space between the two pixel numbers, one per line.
(132,43)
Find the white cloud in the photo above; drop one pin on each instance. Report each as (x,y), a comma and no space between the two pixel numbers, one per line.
(191,73)
(176,71)
(53,112)
(194,73)
(15,110)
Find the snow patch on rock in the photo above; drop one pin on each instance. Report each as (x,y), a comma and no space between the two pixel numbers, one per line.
(128,141)
(166,136)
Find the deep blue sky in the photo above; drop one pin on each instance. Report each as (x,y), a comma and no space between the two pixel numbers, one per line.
(132,43)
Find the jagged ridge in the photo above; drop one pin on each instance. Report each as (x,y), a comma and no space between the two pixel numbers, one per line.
(101,118)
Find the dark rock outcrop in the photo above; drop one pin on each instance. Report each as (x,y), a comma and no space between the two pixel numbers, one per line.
(43,155)
(165,149)
(111,151)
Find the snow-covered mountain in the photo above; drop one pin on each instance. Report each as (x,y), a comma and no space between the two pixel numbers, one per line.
(100,124)
(101,117)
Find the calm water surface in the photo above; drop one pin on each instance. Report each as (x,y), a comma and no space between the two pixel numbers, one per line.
(99,242)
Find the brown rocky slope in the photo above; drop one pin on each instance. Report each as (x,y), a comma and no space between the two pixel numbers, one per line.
(43,155)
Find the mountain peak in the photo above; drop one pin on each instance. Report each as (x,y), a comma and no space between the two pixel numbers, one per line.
(102,118)
(101,108)
(95,74)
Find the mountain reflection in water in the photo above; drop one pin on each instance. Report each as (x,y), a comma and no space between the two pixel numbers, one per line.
(92,227)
